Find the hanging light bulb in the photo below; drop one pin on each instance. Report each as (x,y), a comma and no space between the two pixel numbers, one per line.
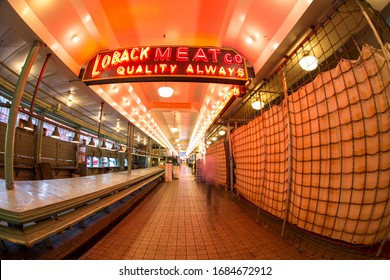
(174,129)
(91,143)
(29,125)
(122,149)
(165,91)
(56,133)
(75,38)
(69,101)
(308,62)
(22,123)
(76,138)
(103,146)
(257,105)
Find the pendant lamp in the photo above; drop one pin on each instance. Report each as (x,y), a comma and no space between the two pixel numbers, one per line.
(308,62)
(165,91)
(56,133)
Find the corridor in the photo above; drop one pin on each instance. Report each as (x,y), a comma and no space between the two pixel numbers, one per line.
(188,220)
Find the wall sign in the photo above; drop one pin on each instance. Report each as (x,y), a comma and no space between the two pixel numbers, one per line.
(207,64)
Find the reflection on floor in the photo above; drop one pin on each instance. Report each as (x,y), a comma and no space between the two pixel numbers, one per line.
(185,219)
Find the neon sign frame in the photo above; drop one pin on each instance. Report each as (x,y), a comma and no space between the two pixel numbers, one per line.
(166,63)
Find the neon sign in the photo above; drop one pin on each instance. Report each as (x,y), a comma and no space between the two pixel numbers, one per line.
(217,65)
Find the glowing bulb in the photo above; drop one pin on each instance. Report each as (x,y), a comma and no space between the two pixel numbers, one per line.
(75,38)
(308,62)
(165,92)
(250,40)
(257,105)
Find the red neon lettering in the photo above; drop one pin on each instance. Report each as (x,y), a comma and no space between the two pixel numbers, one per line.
(95,72)
(132,54)
(144,53)
(116,58)
(200,55)
(189,69)
(228,58)
(163,56)
(173,68)
(214,54)
(182,54)
(106,61)
(125,56)
(210,69)
(238,59)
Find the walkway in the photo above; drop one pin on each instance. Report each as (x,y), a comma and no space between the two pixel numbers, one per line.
(185,219)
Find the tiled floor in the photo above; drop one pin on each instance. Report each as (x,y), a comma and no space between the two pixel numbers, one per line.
(185,219)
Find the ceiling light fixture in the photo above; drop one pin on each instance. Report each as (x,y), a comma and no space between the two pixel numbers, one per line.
(165,91)
(22,123)
(308,62)
(174,129)
(250,40)
(68,99)
(222,132)
(56,133)
(91,143)
(29,125)
(257,105)
(75,38)
(103,146)
(76,138)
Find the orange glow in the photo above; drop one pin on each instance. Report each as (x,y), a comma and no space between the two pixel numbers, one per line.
(184,62)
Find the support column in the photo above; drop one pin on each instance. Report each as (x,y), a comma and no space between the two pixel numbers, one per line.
(100,123)
(130,141)
(13,115)
(150,153)
(288,119)
(229,158)
(38,139)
